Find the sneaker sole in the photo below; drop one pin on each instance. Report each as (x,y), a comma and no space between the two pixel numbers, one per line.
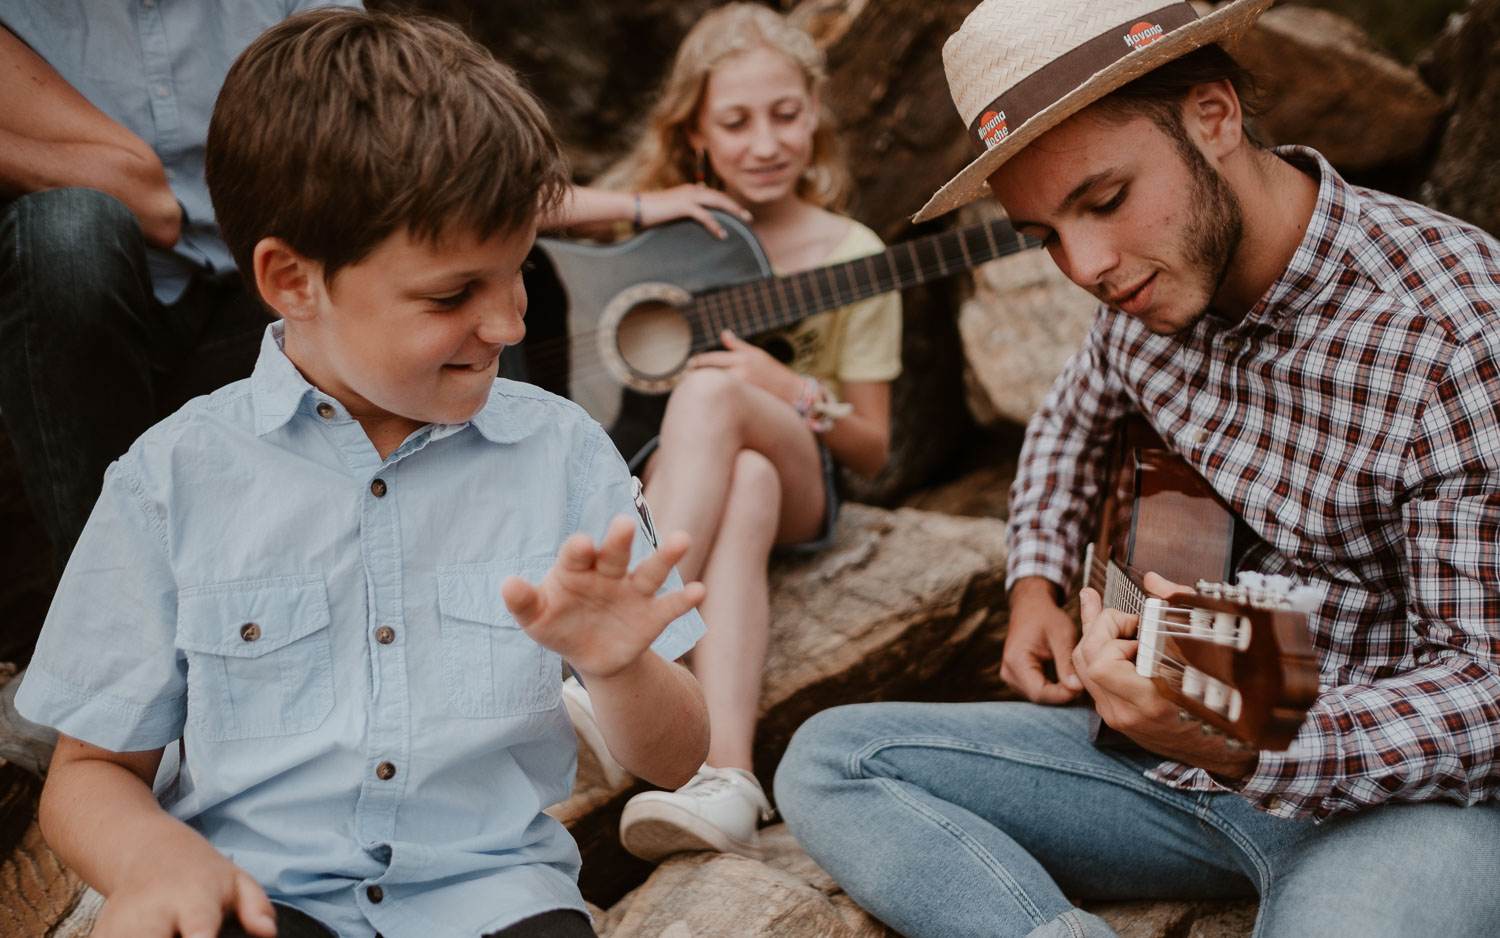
(660,830)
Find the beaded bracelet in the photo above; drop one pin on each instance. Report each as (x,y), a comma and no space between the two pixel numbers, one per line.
(818,407)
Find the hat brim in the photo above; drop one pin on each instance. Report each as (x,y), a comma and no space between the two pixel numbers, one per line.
(1227,22)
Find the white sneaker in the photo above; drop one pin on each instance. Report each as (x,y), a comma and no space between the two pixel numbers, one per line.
(717,810)
(594,760)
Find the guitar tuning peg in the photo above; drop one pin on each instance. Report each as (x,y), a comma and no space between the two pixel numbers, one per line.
(1184,717)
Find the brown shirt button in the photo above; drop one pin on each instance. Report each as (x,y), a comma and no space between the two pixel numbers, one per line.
(249,631)
(325,410)
(375,893)
(377,488)
(385,635)
(385,771)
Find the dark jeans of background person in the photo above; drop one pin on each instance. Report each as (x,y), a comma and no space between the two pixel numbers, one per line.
(562,923)
(88,357)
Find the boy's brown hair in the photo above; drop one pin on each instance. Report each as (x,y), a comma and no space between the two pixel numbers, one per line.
(338,127)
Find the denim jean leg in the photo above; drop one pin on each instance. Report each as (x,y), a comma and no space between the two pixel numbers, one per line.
(77,326)
(983,819)
(1394,871)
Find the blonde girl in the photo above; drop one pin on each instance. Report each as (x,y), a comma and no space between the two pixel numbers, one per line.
(745,458)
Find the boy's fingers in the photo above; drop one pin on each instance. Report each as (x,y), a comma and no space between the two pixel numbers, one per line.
(200,920)
(577,553)
(254,908)
(613,559)
(678,602)
(652,572)
(522,599)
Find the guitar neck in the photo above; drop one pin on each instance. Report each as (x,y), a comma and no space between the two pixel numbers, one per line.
(765,305)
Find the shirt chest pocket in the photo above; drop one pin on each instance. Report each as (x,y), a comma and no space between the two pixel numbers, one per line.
(491,668)
(259,659)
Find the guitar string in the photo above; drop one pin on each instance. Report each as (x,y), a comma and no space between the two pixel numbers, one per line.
(764,299)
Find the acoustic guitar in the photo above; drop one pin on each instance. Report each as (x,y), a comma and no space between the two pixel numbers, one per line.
(636,311)
(1237,656)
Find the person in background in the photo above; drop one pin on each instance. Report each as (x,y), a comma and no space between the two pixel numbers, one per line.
(749,447)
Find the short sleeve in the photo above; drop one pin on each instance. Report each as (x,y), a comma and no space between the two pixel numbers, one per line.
(106,669)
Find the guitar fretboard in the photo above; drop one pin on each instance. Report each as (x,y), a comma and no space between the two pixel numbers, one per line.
(764,305)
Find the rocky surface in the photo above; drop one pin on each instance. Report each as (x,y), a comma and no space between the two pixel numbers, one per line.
(875,616)
(1464,66)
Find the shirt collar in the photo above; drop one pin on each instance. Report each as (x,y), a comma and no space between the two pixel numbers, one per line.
(279,392)
(1324,246)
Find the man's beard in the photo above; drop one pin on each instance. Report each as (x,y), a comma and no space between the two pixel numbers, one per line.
(1213,235)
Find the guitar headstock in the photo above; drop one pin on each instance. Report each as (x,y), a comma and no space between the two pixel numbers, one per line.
(1234,656)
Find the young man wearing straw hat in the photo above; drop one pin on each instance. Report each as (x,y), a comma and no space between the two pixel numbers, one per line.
(1325,357)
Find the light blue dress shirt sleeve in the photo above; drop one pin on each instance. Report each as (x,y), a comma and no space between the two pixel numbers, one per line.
(122,692)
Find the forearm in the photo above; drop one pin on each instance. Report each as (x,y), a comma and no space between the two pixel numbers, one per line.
(582,205)
(103,821)
(653,718)
(136,179)
(1425,735)
(862,443)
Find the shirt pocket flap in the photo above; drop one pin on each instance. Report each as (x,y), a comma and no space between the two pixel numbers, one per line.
(472,593)
(251,618)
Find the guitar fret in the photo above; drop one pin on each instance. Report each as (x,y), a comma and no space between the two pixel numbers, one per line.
(764,305)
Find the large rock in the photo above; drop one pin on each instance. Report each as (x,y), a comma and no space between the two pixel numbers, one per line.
(787,895)
(1464,65)
(875,616)
(1328,86)
(1019,326)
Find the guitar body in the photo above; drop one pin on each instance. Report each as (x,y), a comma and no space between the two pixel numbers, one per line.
(585,284)
(613,326)
(1242,662)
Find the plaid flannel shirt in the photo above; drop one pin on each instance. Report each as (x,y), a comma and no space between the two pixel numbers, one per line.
(1350,418)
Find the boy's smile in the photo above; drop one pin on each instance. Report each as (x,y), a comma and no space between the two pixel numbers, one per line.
(412,333)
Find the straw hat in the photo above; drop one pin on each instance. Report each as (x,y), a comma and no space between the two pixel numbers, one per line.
(1017,68)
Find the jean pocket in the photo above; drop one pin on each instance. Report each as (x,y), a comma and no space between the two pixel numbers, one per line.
(259,658)
(492,668)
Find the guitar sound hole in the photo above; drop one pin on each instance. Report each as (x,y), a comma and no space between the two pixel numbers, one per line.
(779,349)
(654,339)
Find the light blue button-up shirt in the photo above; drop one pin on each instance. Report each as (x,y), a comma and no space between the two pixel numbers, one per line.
(156,67)
(324,630)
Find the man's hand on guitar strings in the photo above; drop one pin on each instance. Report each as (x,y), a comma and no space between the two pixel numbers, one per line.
(1041,636)
(1105,662)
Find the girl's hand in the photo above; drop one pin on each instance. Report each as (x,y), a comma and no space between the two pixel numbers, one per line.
(689,201)
(596,612)
(754,366)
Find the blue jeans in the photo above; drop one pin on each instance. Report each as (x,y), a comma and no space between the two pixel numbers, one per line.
(957,820)
(88,357)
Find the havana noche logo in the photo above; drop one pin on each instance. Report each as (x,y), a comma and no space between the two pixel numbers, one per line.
(1142,35)
(992,128)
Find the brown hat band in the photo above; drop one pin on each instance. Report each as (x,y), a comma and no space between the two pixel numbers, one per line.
(1048,84)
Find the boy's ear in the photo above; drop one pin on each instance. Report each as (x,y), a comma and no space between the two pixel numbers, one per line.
(289,283)
(1214,118)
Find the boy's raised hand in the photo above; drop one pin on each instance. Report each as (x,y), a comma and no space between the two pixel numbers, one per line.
(595,611)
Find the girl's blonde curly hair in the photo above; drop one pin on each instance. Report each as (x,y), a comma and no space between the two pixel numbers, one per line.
(663,157)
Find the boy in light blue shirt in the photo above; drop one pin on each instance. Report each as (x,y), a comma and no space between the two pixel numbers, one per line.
(348,583)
